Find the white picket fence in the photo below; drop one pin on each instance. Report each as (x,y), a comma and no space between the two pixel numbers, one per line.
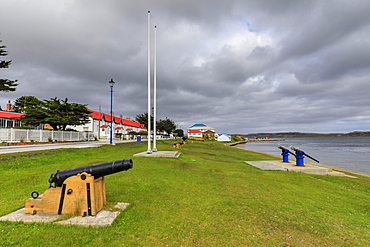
(21,135)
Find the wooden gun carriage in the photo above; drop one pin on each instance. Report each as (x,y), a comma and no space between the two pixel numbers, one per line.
(77,191)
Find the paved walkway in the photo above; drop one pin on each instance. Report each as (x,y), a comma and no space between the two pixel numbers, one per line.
(38,147)
(278,165)
(167,154)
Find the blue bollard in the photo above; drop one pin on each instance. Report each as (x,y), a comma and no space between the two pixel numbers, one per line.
(299,155)
(285,154)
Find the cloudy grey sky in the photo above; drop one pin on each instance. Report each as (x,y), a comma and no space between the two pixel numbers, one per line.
(240,66)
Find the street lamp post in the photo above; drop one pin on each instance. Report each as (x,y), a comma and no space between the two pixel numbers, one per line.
(111,84)
(155,93)
(166,128)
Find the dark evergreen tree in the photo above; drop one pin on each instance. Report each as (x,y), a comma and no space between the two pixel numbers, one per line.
(143,119)
(55,112)
(163,125)
(166,125)
(25,102)
(6,84)
(179,132)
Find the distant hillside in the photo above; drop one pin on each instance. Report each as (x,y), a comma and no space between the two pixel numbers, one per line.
(300,134)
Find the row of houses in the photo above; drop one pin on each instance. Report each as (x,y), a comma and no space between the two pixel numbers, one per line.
(99,124)
(204,131)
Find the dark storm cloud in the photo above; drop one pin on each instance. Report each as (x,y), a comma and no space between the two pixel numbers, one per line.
(327,23)
(238,66)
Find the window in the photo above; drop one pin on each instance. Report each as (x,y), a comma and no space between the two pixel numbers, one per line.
(17,123)
(9,123)
(2,123)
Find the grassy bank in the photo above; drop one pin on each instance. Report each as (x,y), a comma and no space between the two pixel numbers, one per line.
(207,197)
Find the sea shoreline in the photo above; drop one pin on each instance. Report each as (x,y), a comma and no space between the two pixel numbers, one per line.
(308,162)
(253,140)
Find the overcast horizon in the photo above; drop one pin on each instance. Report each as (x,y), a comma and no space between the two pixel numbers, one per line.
(238,66)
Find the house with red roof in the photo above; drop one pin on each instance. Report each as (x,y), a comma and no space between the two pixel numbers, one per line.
(201,127)
(195,133)
(202,131)
(10,119)
(100,124)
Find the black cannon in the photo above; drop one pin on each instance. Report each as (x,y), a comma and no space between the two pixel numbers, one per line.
(299,154)
(285,153)
(78,191)
(96,170)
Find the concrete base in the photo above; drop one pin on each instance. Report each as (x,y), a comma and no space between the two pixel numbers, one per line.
(168,154)
(291,166)
(102,218)
(266,165)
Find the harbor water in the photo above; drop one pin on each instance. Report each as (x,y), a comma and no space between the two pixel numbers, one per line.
(352,153)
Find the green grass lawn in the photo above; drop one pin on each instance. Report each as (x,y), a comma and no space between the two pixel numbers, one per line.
(206,197)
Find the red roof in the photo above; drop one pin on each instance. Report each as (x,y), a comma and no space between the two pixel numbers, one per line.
(117,120)
(96,115)
(132,123)
(5,114)
(99,116)
(118,128)
(107,117)
(195,131)
(104,126)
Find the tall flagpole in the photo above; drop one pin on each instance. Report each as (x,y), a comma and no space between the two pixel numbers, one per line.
(149,151)
(155,92)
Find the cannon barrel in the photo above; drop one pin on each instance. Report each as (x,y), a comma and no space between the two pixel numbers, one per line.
(281,147)
(96,170)
(295,149)
(299,150)
(284,148)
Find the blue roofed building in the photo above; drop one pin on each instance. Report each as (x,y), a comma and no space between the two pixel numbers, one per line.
(202,128)
(198,125)
(224,138)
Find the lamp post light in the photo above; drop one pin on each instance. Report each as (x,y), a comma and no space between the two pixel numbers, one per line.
(111,84)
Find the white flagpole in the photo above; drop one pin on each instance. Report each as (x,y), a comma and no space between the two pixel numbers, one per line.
(155,92)
(149,151)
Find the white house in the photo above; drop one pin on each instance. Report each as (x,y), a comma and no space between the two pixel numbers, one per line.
(10,119)
(202,131)
(201,127)
(99,125)
(224,138)
(195,133)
